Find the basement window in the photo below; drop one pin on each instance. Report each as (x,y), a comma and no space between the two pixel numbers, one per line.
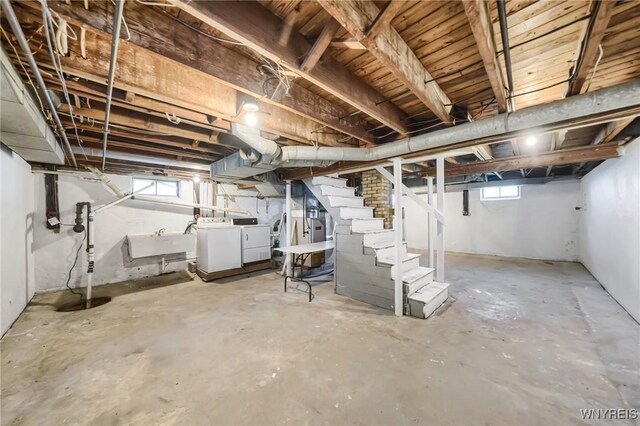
(156,187)
(500,193)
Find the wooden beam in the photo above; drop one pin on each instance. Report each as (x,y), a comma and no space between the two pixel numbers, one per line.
(123,117)
(601,14)
(609,131)
(347,43)
(384,18)
(555,158)
(167,84)
(320,45)
(159,33)
(392,51)
(259,29)
(114,143)
(477,12)
(287,25)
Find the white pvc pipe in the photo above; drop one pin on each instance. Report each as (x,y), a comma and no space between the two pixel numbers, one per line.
(188,205)
(90,258)
(397,225)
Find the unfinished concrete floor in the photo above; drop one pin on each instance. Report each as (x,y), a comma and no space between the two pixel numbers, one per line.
(519,342)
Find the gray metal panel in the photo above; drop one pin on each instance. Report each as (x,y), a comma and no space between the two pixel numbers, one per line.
(381,302)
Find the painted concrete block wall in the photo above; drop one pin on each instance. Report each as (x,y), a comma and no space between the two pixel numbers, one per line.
(542,224)
(610,227)
(17,280)
(267,210)
(54,253)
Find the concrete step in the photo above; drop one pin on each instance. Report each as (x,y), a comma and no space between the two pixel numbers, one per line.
(331,181)
(337,190)
(364,225)
(423,302)
(416,278)
(410,261)
(374,237)
(339,201)
(386,250)
(356,212)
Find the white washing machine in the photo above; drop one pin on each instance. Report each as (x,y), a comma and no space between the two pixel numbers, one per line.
(219,246)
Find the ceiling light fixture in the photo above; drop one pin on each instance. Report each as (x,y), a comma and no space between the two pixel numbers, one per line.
(531,140)
(250,107)
(196,179)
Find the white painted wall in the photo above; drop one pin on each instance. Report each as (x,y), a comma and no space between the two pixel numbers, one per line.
(542,224)
(17,282)
(610,227)
(54,253)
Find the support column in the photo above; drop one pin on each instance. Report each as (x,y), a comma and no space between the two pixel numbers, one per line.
(376,190)
(397,226)
(288,223)
(431,223)
(440,191)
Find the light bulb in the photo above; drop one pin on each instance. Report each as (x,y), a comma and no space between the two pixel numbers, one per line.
(196,179)
(531,140)
(251,119)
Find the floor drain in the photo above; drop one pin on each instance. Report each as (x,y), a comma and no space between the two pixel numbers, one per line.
(77,306)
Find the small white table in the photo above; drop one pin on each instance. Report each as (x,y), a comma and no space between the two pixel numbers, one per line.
(301,252)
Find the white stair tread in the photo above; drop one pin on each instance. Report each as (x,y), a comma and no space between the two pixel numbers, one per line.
(415,274)
(374,231)
(391,260)
(329,181)
(383,244)
(429,292)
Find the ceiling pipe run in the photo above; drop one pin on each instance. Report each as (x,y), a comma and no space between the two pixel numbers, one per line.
(577,111)
(117,23)
(504,34)
(24,45)
(91,152)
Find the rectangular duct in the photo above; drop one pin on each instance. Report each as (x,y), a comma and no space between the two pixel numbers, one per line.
(233,168)
(22,125)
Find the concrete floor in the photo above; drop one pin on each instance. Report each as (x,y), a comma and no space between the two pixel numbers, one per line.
(519,342)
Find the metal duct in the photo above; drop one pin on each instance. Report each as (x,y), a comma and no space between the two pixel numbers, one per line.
(566,113)
(91,152)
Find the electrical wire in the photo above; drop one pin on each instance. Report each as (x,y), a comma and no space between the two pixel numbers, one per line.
(48,31)
(75,261)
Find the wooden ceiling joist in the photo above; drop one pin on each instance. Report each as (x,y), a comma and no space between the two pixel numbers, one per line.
(259,29)
(320,45)
(555,158)
(159,33)
(202,94)
(477,12)
(392,51)
(384,18)
(601,14)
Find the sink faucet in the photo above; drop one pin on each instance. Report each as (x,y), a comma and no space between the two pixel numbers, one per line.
(160,232)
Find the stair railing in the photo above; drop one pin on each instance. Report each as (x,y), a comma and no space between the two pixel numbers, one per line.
(435,221)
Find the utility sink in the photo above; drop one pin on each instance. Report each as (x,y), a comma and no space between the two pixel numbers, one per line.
(146,245)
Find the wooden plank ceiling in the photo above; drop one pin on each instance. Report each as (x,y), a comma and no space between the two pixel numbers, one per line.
(332,72)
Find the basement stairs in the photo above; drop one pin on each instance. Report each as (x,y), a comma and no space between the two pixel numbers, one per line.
(366,255)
